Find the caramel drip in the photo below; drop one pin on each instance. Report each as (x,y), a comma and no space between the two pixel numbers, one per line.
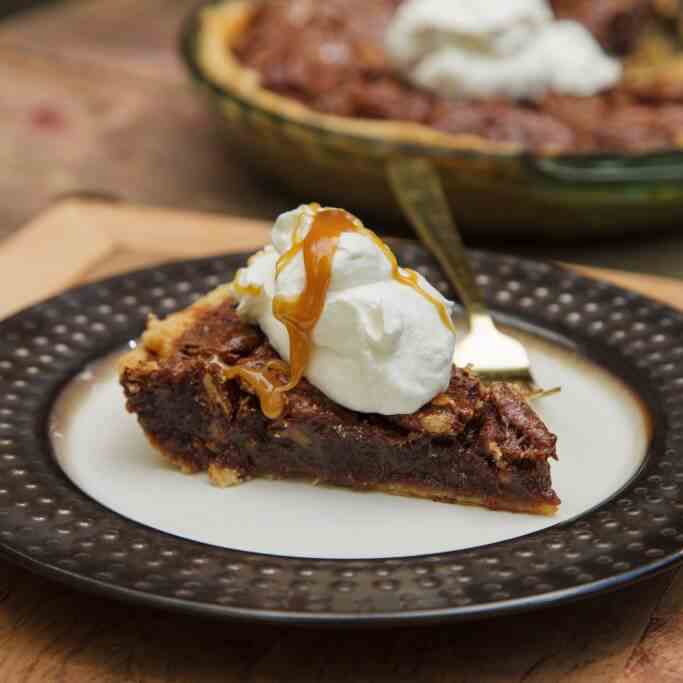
(301,313)
(246,290)
(263,381)
(407,277)
(297,242)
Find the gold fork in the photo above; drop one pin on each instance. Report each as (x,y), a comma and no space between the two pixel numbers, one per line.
(494,356)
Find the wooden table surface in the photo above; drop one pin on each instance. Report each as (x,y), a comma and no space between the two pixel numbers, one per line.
(49,632)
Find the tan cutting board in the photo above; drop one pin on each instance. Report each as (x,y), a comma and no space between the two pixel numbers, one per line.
(77,241)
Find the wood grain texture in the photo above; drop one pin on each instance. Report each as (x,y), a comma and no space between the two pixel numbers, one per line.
(95,239)
(666,290)
(49,632)
(72,128)
(95,99)
(659,655)
(129,35)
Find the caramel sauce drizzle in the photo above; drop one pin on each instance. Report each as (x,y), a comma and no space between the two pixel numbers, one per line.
(246,290)
(408,277)
(301,313)
(263,380)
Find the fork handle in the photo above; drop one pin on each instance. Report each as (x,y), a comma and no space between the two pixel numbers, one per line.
(417,187)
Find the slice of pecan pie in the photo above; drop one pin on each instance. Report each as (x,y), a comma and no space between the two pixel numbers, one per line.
(472,444)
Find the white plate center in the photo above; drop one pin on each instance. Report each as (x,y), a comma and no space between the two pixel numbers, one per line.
(602,434)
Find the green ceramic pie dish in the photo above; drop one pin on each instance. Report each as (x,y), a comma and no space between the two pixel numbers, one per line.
(493,192)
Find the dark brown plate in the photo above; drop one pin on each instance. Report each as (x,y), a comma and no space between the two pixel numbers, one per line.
(50,526)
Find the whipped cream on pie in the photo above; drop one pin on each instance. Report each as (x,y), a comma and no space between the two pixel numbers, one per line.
(470,49)
(331,299)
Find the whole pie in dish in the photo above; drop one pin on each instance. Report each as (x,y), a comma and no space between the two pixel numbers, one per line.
(324,63)
(202,383)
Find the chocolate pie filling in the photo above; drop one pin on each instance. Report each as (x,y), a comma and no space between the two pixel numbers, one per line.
(471,444)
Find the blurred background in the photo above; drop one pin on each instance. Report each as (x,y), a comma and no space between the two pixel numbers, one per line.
(96,102)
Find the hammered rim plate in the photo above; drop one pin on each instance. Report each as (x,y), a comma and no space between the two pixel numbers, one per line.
(48,525)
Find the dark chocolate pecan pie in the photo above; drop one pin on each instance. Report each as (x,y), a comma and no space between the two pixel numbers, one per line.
(472,444)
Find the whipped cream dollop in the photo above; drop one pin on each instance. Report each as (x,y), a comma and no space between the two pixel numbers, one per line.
(469,49)
(379,345)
